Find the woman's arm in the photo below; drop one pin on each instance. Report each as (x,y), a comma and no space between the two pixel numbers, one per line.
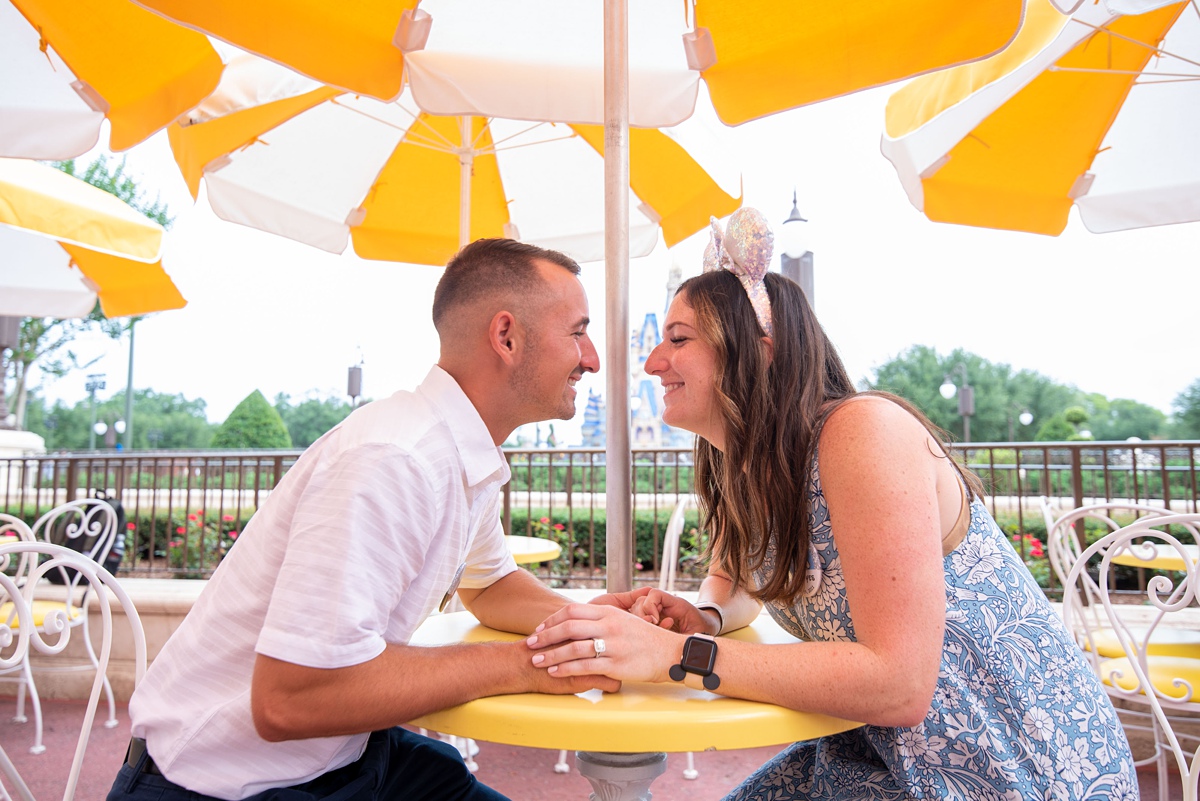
(879,475)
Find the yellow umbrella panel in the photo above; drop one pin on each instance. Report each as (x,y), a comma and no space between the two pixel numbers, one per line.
(69,64)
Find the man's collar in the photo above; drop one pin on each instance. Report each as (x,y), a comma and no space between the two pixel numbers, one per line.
(481,457)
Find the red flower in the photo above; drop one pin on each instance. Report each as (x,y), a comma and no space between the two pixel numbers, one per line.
(180,530)
(559,526)
(174,544)
(192,518)
(545,520)
(199,511)
(131,526)
(233,535)
(227,518)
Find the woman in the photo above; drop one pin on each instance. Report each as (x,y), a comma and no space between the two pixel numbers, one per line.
(843,512)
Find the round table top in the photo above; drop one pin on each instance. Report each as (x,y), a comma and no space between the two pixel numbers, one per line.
(1165,557)
(527,550)
(641,717)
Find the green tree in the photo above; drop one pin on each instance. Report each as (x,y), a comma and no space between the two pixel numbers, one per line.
(254,423)
(1056,429)
(1186,408)
(46,342)
(1121,418)
(308,420)
(165,421)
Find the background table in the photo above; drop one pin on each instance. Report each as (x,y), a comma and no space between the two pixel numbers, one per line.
(631,729)
(527,550)
(1165,557)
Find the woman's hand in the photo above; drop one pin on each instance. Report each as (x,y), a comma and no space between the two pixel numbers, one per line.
(634,649)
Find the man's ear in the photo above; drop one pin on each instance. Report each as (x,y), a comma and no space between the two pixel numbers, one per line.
(503,336)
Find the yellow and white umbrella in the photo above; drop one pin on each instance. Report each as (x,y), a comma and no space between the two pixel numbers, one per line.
(1099,109)
(67,244)
(67,65)
(757,56)
(328,168)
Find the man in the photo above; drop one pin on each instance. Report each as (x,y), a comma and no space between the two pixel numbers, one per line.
(293,670)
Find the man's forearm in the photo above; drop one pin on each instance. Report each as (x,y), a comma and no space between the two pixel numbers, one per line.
(518,603)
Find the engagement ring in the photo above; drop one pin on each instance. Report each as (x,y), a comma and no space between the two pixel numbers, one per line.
(598,644)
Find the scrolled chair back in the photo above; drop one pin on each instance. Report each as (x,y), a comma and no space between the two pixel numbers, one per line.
(1168,683)
(52,636)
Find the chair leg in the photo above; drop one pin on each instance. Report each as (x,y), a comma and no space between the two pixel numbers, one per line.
(36,703)
(20,716)
(561,765)
(690,771)
(112,721)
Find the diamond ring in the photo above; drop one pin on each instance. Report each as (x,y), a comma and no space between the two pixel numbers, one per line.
(599,645)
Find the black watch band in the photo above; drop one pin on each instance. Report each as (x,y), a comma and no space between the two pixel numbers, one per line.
(699,657)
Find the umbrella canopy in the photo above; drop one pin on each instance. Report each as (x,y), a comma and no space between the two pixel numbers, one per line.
(327,168)
(67,65)
(757,56)
(67,243)
(1098,109)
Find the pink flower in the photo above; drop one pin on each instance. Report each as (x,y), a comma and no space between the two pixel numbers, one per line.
(545,520)
(180,530)
(199,511)
(227,518)
(131,526)
(192,518)
(174,544)
(559,527)
(233,535)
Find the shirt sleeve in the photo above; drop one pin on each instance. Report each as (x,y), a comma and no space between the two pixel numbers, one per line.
(357,541)
(489,559)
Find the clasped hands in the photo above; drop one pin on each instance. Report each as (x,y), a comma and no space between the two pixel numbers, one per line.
(628,636)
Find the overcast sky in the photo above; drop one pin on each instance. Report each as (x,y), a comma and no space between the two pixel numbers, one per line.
(1111,313)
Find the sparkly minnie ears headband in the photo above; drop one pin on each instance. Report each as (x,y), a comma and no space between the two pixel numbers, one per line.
(745,249)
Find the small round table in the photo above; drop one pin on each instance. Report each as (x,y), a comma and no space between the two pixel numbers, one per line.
(527,550)
(1165,557)
(621,738)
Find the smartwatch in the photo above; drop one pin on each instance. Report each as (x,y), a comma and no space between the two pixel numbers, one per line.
(699,656)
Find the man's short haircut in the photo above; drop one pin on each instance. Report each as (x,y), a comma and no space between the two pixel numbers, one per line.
(500,268)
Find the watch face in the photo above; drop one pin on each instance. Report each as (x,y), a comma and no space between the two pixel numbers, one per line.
(699,655)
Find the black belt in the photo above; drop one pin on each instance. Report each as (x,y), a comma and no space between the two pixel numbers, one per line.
(137,747)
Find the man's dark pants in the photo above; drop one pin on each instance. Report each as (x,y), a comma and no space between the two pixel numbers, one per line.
(397,764)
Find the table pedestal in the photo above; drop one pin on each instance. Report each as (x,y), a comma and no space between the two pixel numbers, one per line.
(620,777)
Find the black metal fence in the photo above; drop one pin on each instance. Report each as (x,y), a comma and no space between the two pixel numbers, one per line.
(185,509)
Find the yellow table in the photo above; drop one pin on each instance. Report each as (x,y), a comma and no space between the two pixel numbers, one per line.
(527,550)
(621,737)
(1165,557)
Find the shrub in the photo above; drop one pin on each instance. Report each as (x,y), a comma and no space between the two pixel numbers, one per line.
(254,423)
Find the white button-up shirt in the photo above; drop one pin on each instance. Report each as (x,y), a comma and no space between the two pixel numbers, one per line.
(357,545)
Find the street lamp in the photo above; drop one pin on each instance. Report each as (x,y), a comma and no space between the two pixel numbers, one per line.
(95,381)
(109,433)
(1024,418)
(966,396)
(795,259)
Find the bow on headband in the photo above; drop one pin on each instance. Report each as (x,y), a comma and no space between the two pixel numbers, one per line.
(745,249)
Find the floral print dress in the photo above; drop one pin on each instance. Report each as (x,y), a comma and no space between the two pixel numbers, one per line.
(1017,713)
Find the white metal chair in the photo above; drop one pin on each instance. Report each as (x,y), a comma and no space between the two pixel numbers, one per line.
(1164,683)
(87,526)
(52,634)
(668,567)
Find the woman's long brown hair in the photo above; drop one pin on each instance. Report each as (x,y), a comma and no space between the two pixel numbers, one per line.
(773,401)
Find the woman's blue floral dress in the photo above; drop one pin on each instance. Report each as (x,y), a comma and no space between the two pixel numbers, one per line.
(1017,713)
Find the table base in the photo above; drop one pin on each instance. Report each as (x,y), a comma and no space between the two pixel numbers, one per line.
(620,777)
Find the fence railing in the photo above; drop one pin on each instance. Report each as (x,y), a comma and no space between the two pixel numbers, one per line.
(185,509)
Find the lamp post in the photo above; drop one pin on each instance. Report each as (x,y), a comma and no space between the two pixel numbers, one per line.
(95,381)
(966,396)
(795,259)
(10,338)
(354,384)
(109,432)
(1024,418)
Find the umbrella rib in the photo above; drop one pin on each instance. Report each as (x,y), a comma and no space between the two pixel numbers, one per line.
(446,146)
(1157,50)
(1179,76)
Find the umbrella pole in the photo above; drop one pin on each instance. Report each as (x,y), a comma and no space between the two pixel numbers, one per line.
(618,457)
(466,163)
